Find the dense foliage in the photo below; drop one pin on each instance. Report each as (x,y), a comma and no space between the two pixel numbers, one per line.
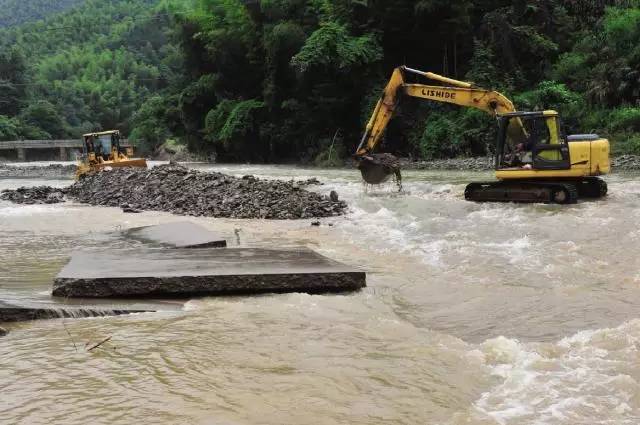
(279,80)
(16,12)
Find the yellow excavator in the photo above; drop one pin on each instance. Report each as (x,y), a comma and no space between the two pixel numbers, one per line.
(534,160)
(103,149)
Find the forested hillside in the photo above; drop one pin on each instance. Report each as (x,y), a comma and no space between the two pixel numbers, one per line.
(16,12)
(90,68)
(281,80)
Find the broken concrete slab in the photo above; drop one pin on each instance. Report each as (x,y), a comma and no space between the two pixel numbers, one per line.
(187,272)
(10,312)
(181,234)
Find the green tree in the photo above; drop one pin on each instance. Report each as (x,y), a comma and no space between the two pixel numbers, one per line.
(150,128)
(44,116)
(9,128)
(13,81)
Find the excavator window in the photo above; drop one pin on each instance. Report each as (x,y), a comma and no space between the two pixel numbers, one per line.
(555,154)
(522,134)
(537,145)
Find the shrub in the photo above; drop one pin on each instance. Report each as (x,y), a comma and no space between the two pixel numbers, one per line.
(233,127)
(624,119)
(332,46)
(9,128)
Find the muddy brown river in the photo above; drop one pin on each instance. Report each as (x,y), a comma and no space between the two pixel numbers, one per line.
(473,314)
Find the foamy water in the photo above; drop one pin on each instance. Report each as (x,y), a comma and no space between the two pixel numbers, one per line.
(473,314)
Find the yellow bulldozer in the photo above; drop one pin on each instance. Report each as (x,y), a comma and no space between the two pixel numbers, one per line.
(104,149)
(534,160)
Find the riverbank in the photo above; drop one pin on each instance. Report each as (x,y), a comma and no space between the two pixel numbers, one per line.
(482,163)
(53,171)
(485,163)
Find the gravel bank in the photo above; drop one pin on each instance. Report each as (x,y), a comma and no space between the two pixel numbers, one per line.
(626,162)
(481,163)
(54,171)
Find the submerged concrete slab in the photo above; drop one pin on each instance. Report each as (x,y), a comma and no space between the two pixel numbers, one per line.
(10,312)
(181,234)
(208,271)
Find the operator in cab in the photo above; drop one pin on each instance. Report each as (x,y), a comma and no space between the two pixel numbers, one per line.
(524,152)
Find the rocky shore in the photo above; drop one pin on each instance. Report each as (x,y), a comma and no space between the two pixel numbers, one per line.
(626,162)
(485,163)
(482,163)
(179,190)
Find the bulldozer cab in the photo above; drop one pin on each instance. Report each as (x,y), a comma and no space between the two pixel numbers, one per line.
(538,145)
(102,145)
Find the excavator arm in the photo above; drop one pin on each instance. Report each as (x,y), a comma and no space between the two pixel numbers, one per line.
(457,92)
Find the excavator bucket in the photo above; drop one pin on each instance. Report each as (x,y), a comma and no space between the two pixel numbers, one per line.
(378,168)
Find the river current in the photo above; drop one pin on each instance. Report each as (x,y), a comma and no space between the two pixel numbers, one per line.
(473,314)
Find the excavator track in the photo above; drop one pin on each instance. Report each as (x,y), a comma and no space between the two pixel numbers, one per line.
(591,187)
(522,191)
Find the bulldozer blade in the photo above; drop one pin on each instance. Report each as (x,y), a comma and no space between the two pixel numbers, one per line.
(135,162)
(83,168)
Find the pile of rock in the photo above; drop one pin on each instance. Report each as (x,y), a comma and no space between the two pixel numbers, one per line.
(179,190)
(34,195)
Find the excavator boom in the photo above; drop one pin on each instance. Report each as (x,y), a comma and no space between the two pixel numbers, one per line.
(491,102)
(457,92)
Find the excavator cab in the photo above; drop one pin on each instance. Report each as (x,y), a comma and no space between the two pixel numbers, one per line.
(532,141)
